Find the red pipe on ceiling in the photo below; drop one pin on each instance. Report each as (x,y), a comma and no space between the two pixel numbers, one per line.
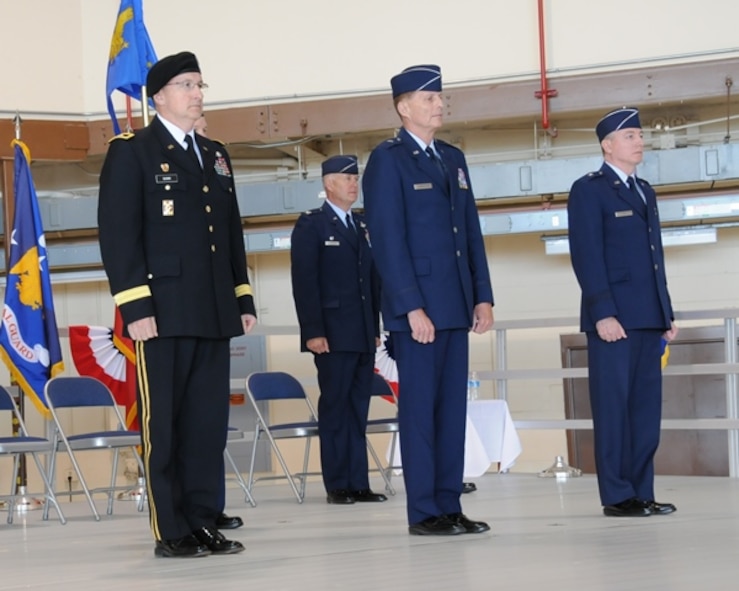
(544,93)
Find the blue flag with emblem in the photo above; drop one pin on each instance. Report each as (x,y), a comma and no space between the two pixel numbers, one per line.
(29,338)
(131,55)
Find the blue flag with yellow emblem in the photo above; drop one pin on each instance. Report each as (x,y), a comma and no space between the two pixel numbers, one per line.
(131,55)
(29,338)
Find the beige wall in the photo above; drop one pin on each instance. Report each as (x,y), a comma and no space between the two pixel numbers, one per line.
(259,51)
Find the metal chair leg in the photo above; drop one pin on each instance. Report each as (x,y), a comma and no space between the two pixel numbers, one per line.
(239,478)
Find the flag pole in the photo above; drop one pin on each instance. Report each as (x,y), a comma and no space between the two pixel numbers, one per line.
(129,115)
(6,186)
(23,502)
(144,105)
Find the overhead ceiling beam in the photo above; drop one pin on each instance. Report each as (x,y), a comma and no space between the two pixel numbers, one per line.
(649,86)
(48,140)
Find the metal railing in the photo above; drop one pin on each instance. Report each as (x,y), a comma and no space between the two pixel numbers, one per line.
(501,376)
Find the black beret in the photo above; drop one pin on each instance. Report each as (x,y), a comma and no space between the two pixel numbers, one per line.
(167,68)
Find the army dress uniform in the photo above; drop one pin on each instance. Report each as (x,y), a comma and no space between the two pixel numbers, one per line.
(172,247)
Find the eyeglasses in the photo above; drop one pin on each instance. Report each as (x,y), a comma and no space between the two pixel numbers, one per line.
(189,85)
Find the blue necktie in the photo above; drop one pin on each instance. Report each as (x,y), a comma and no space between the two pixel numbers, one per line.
(634,189)
(437,161)
(350,223)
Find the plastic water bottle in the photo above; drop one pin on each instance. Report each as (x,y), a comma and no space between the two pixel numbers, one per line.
(473,386)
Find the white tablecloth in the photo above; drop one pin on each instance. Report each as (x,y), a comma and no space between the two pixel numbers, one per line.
(491,437)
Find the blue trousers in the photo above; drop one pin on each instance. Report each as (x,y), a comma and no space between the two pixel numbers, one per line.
(345,381)
(432,407)
(625,380)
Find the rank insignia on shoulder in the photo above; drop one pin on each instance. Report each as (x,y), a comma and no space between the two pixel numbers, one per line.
(126,135)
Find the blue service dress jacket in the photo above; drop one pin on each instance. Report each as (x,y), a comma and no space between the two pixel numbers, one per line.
(334,281)
(425,234)
(617,254)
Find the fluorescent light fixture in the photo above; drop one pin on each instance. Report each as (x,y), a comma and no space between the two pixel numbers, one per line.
(556,244)
(670,237)
(688,236)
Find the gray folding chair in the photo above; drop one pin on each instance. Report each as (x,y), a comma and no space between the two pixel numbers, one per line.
(234,436)
(276,386)
(86,392)
(389,424)
(23,443)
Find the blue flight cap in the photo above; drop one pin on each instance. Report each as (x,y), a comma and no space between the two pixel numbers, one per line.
(345,163)
(623,118)
(424,77)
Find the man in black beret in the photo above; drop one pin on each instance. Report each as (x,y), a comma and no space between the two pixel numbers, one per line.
(173,250)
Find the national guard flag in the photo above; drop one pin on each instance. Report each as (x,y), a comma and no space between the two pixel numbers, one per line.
(131,55)
(29,339)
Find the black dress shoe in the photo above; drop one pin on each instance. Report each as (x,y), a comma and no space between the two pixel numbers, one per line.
(216,542)
(436,526)
(656,508)
(367,496)
(339,497)
(627,508)
(468,487)
(224,521)
(470,527)
(187,547)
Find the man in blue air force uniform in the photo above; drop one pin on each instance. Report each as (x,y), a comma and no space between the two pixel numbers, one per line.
(429,250)
(173,250)
(336,293)
(616,251)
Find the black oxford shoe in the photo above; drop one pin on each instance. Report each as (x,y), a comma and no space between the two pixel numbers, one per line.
(216,542)
(224,521)
(470,527)
(187,547)
(436,526)
(367,496)
(656,508)
(339,497)
(468,487)
(627,508)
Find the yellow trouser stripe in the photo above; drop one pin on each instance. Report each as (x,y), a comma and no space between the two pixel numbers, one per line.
(144,422)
